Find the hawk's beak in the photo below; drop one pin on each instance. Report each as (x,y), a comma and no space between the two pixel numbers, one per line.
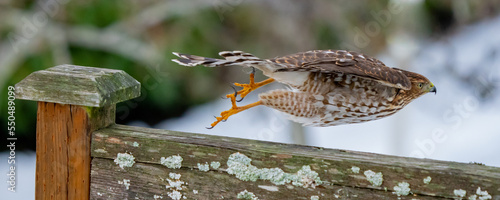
(433,89)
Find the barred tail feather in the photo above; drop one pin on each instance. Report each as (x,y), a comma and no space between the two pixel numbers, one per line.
(192,60)
(238,56)
(231,58)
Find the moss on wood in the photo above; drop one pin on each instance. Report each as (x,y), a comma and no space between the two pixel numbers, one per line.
(148,180)
(78,85)
(334,167)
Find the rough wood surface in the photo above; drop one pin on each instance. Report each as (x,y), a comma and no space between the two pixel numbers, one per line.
(148,180)
(78,85)
(335,168)
(63,149)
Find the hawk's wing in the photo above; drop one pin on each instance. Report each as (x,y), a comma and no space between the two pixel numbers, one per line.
(345,62)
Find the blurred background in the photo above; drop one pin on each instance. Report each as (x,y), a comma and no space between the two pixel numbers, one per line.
(454,43)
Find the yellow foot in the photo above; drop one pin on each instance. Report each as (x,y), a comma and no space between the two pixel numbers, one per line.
(235,109)
(247,88)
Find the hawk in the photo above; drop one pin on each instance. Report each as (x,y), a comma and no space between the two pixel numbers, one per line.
(327,87)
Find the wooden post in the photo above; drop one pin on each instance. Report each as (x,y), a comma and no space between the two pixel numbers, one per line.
(73,101)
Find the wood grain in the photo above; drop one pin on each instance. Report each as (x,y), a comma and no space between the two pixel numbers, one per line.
(333,166)
(148,180)
(63,150)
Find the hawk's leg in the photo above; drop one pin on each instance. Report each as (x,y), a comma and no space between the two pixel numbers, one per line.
(234,109)
(247,88)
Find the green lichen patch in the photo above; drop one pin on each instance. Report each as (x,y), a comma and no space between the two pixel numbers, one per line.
(427,180)
(175,195)
(135,144)
(175,185)
(246,195)
(172,162)
(459,193)
(306,177)
(376,179)
(355,169)
(124,160)
(203,167)
(125,182)
(174,175)
(482,195)
(276,175)
(240,166)
(402,189)
(215,165)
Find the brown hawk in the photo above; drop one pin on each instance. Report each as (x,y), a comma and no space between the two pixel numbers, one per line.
(328,87)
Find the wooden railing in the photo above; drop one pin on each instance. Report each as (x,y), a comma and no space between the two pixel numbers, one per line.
(82,154)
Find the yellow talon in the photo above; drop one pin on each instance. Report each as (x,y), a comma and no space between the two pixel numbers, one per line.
(235,109)
(247,88)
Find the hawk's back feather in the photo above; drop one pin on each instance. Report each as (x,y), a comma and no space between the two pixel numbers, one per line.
(344,62)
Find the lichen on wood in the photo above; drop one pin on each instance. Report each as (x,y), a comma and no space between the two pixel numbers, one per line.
(78,85)
(333,167)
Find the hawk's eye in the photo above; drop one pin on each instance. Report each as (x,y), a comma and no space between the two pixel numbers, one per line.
(420,85)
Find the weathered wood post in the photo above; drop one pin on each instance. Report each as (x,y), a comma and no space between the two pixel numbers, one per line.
(73,101)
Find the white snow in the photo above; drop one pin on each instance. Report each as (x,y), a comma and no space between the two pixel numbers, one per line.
(25,176)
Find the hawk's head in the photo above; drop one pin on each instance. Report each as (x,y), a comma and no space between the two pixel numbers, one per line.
(420,85)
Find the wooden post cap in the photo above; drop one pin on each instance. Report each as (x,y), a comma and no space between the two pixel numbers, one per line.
(78,85)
